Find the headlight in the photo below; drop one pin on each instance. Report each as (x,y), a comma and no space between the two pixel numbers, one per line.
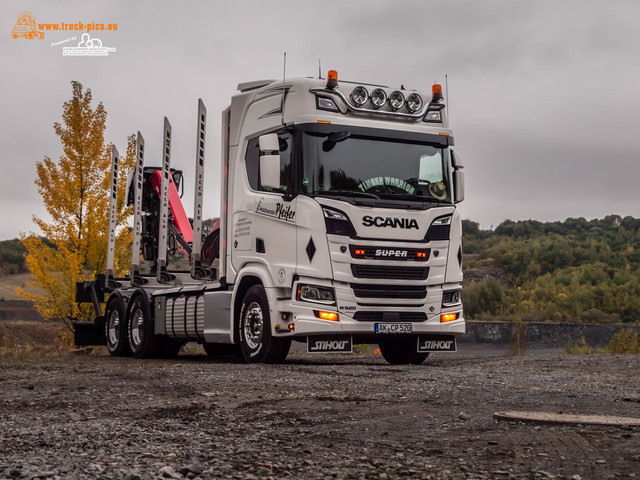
(414,102)
(396,100)
(338,223)
(451,298)
(442,220)
(378,98)
(433,116)
(316,294)
(439,229)
(359,96)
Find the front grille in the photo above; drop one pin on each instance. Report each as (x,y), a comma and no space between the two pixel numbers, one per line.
(438,232)
(390,316)
(389,291)
(390,272)
(386,253)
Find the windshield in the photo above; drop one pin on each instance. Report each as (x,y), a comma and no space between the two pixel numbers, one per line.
(341,163)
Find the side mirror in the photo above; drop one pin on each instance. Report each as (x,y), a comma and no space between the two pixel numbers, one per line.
(270,171)
(269,164)
(269,143)
(458,186)
(456,160)
(458,176)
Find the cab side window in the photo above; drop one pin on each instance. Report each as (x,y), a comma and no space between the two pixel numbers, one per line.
(252,163)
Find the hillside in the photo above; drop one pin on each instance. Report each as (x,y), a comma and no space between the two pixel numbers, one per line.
(576,270)
(571,271)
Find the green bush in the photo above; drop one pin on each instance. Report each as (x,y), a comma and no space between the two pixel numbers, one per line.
(624,341)
(581,347)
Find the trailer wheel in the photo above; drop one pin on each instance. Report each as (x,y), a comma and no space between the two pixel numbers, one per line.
(256,342)
(115,328)
(142,340)
(401,352)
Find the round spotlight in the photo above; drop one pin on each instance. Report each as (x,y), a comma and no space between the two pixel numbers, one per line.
(396,100)
(359,96)
(378,98)
(414,102)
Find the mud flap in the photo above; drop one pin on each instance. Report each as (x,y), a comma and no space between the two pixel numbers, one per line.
(436,343)
(88,333)
(330,344)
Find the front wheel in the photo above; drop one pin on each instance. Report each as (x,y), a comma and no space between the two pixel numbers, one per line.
(402,352)
(115,328)
(256,341)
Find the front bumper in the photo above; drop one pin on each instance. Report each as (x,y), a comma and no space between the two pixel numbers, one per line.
(306,323)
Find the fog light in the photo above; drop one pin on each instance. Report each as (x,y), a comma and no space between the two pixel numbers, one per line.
(378,98)
(324,103)
(433,116)
(396,100)
(448,317)
(359,96)
(332,316)
(414,102)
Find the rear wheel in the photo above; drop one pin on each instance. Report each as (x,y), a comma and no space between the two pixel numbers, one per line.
(256,341)
(115,328)
(402,352)
(142,340)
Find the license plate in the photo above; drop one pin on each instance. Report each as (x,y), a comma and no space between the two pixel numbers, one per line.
(392,327)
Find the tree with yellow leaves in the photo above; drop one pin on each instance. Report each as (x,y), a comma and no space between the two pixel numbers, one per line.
(75,191)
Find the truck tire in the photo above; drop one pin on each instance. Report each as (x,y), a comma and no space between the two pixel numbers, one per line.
(115,328)
(401,352)
(256,342)
(144,343)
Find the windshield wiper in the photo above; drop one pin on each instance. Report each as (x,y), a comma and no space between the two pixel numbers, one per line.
(349,193)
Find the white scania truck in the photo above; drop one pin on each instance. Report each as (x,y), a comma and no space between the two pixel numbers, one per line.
(338,226)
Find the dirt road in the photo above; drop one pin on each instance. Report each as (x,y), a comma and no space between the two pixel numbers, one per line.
(322,417)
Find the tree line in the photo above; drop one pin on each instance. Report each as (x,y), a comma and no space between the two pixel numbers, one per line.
(572,271)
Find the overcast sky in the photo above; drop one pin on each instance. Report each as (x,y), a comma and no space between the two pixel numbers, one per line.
(544,96)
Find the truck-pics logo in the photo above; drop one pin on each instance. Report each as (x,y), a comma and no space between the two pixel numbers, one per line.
(88,47)
(279,211)
(408,223)
(26,27)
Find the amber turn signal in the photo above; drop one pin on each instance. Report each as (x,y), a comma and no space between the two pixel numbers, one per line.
(448,317)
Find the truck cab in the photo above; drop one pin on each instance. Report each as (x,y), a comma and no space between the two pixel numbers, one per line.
(342,206)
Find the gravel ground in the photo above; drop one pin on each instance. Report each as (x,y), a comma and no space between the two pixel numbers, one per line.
(323,417)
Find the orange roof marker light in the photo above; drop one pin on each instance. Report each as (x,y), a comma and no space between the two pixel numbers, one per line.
(332,79)
(436,91)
